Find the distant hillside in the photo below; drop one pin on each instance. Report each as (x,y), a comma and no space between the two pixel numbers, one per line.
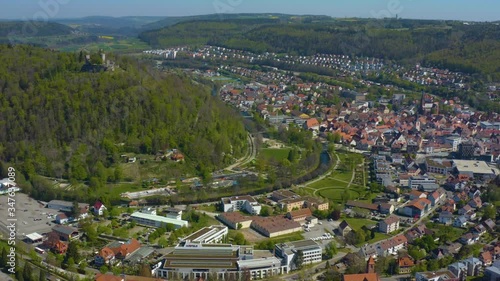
(32,29)
(224,17)
(100,25)
(468,48)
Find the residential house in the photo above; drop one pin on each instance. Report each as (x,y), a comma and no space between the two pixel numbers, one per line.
(486,258)
(437,196)
(441,275)
(99,208)
(389,225)
(490,224)
(446,218)
(469,239)
(61,219)
(476,202)
(344,228)
(416,208)
(492,273)
(405,264)
(386,208)
(66,233)
(392,245)
(461,221)
(116,251)
(479,229)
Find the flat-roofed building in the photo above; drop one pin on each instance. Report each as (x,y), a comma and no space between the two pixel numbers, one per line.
(208,235)
(311,253)
(218,261)
(156,221)
(436,276)
(65,206)
(475,169)
(275,226)
(241,203)
(423,183)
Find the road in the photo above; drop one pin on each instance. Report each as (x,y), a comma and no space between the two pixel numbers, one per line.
(252,153)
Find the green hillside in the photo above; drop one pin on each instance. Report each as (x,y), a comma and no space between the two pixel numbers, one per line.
(469,48)
(61,122)
(32,29)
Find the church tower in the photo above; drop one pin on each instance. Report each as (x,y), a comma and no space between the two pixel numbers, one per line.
(370,266)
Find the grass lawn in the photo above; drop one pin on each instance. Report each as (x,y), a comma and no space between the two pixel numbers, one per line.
(378,237)
(207,208)
(114,190)
(357,224)
(278,154)
(328,182)
(336,194)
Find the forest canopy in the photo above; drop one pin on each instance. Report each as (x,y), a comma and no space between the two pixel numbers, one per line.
(58,121)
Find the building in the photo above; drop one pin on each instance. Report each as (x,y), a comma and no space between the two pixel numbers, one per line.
(389,225)
(275,226)
(6,185)
(291,204)
(443,275)
(423,183)
(66,233)
(281,194)
(492,273)
(344,228)
(241,203)
(438,167)
(65,206)
(361,277)
(99,208)
(154,220)
(34,238)
(299,216)
(61,219)
(392,245)
(405,264)
(466,150)
(316,204)
(446,218)
(219,261)
(208,235)
(437,196)
(111,277)
(235,220)
(416,208)
(117,250)
(310,250)
(475,169)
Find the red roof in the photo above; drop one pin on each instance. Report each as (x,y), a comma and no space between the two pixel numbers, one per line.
(98,205)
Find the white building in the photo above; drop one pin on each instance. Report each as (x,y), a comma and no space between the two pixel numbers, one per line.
(241,203)
(208,235)
(311,252)
(6,184)
(423,183)
(153,220)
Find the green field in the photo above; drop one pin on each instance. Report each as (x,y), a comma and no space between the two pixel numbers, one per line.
(357,224)
(277,154)
(336,194)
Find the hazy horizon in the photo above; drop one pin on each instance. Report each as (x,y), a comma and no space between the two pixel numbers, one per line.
(464,10)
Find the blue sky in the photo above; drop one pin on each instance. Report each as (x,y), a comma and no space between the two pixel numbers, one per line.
(469,10)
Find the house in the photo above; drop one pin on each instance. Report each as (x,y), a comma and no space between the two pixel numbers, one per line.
(344,228)
(486,258)
(55,244)
(392,245)
(416,208)
(479,230)
(468,239)
(99,208)
(299,215)
(476,202)
(446,218)
(460,222)
(389,225)
(117,250)
(465,210)
(66,233)
(361,277)
(61,219)
(386,208)
(489,224)
(241,203)
(405,264)
(492,273)
(437,196)
(415,194)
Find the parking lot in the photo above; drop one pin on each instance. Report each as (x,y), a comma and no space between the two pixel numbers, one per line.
(319,230)
(31,216)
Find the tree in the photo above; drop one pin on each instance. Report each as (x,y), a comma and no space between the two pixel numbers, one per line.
(27,272)
(330,250)
(72,252)
(489,212)
(118,173)
(145,270)
(103,269)
(299,259)
(42,276)
(265,211)
(335,215)
(239,226)
(3,258)
(75,210)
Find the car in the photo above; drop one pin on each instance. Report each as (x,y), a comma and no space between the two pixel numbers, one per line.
(320,223)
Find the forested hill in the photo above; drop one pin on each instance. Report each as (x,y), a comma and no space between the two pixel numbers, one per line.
(31,29)
(60,122)
(473,48)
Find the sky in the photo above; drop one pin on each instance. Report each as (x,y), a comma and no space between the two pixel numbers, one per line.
(467,10)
